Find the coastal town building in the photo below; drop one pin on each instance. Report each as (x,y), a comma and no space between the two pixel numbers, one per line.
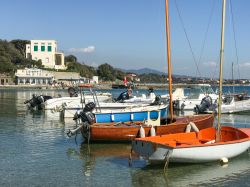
(46,51)
(66,78)
(33,76)
(6,79)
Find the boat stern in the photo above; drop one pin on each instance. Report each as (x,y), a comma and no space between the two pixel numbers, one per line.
(150,151)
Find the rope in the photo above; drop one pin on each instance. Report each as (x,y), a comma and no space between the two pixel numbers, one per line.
(167,157)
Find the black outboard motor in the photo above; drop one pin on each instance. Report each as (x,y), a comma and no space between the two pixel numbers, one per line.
(87,118)
(36,101)
(157,100)
(123,96)
(73,92)
(86,115)
(206,103)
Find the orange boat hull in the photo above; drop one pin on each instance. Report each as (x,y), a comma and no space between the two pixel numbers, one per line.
(127,132)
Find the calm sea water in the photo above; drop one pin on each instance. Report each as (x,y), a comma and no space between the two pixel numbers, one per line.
(35,151)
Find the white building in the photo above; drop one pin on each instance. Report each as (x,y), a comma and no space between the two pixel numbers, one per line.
(95,80)
(46,51)
(33,76)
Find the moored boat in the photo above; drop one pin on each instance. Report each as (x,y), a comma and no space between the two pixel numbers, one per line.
(207,145)
(194,147)
(129,131)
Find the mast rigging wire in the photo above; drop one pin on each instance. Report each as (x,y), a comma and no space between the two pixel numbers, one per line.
(235,44)
(205,36)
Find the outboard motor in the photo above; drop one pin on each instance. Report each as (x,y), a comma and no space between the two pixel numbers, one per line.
(86,115)
(36,101)
(206,103)
(87,118)
(157,100)
(123,96)
(73,92)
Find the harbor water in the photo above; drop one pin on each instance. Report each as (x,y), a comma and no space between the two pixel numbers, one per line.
(35,151)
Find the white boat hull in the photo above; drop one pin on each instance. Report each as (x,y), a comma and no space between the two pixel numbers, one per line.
(72,102)
(113,108)
(196,154)
(237,106)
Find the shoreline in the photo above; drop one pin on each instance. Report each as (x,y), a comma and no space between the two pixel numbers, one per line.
(104,86)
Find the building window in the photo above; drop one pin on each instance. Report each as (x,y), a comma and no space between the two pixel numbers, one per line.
(35,47)
(42,48)
(49,48)
(7,81)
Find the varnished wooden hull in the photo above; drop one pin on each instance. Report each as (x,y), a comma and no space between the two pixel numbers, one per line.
(127,132)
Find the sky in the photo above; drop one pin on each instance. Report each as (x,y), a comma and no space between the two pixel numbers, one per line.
(130,34)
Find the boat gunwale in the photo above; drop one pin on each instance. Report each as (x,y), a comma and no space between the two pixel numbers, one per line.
(191,145)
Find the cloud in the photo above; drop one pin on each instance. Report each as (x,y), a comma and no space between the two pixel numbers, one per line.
(89,49)
(209,64)
(245,65)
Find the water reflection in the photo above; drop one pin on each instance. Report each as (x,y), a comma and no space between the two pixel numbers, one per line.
(35,150)
(209,174)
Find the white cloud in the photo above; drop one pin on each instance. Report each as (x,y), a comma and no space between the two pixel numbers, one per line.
(88,49)
(209,64)
(245,65)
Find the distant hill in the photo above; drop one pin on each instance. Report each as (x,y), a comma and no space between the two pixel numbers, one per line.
(148,70)
(144,71)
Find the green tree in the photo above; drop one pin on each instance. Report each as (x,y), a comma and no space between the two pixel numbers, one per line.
(20,45)
(6,65)
(106,72)
(70,58)
(120,74)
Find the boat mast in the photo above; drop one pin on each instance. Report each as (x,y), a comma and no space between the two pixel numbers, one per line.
(221,67)
(169,63)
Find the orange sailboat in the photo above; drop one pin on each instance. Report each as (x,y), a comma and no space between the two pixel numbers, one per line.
(209,144)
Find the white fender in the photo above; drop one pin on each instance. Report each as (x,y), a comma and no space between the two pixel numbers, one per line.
(188,128)
(142,132)
(194,127)
(112,117)
(152,131)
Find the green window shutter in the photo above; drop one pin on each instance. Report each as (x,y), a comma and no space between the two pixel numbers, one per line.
(42,48)
(35,48)
(49,48)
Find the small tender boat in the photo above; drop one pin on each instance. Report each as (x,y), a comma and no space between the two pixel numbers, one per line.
(125,128)
(131,130)
(107,108)
(74,100)
(194,147)
(195,96)
(233,103)
(134,113)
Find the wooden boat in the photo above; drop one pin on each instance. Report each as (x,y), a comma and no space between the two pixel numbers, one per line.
(194,147)
(129,131)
